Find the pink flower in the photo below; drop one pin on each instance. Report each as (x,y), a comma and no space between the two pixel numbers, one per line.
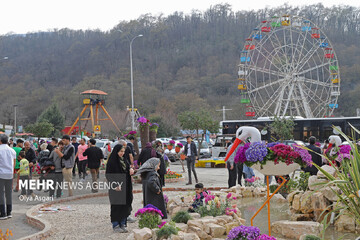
(234,198)
(162,224)
(228,195)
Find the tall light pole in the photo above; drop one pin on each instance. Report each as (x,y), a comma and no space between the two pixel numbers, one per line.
(15,106)
(132,85)
(132,81)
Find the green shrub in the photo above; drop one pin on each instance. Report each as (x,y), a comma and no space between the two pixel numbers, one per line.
(312,237)
(273,187)
(181,217)
(167,230)
(303,181)
(149,220)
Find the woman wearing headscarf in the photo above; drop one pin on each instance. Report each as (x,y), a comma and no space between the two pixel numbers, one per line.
(146,153)
(118,171)
(151,186)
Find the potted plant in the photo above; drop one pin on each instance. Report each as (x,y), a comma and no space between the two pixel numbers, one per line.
(153,128)
(273,158)
(144,130)
(150,216)
(171,144)
(178,147)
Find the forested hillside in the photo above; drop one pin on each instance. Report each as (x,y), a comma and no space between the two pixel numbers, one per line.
(183,62)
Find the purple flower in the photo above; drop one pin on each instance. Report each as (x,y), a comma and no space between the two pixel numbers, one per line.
(343,156)
(142,120)
(132,132)
(266,237)
(269,145)
(240,154)
(149,209)
(304,154)
(166,199)
(244,232)
(345,149)
(180,145)
(256,152)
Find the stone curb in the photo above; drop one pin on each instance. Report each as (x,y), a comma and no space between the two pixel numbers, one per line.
(45,226)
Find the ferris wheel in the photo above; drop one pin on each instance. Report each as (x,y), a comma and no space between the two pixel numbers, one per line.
(288,67)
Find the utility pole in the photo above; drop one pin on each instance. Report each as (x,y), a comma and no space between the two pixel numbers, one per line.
(223,110)
(15,106)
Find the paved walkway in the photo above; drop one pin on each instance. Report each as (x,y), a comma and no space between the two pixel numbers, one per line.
(210,177)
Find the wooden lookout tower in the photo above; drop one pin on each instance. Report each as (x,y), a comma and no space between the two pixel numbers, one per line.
(94,100)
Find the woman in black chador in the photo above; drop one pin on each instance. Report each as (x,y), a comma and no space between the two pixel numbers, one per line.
(118,174)
(151,186)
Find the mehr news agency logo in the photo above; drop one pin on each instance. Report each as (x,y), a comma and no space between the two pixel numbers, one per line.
(49,184)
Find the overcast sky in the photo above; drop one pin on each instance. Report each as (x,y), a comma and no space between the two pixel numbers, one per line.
(22,16)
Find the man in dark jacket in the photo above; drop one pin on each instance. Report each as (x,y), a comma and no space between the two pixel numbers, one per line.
(95,156)
(31,157)
(316,158)
(191,153)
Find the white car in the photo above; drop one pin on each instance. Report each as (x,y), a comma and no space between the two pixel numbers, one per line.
(103,146)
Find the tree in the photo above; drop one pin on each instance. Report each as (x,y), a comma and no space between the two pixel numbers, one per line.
(198,120)
(40,129)
(53,115)
(282,128)
(165,129)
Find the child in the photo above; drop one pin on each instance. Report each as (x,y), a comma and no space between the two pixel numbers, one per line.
(24,172)
(199,197)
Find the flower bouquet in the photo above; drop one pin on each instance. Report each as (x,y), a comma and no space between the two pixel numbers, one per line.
(178,147)
(279,159)
(150,216)
(171,144)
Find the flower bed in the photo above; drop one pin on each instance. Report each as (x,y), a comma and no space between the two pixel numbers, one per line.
(171,174)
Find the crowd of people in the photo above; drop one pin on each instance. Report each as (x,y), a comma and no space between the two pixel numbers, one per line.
(59,160)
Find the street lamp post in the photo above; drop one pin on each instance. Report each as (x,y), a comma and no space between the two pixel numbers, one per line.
(132,112)
(15,106)
(132,85)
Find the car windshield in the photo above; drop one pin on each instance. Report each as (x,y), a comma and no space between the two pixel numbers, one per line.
(100,144)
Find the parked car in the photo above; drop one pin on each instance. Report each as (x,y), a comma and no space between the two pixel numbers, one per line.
(219,148)
(205,150)
(103,146)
